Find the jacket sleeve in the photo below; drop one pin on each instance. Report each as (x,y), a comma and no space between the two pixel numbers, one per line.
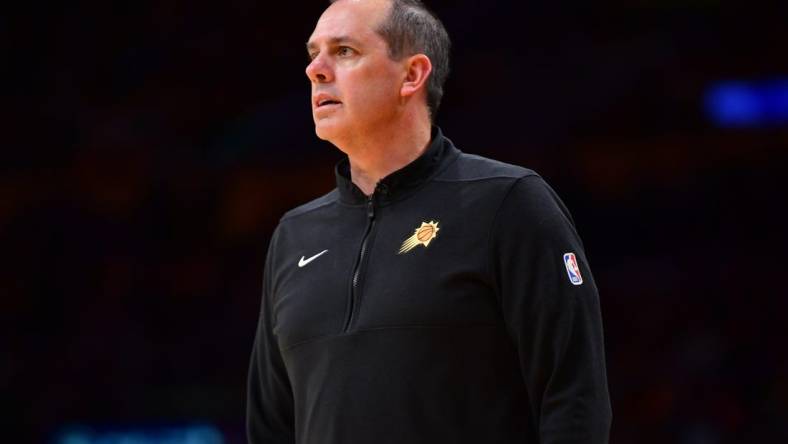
(269,405)
(556,325)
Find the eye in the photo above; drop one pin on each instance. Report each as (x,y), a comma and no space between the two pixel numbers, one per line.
(345,51)
(312,55)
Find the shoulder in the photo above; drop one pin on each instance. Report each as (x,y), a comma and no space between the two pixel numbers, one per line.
(312,206)
(471,167)
(531,201)
(512,184)
(522,193)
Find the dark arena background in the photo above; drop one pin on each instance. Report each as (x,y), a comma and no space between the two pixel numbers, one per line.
(149,149)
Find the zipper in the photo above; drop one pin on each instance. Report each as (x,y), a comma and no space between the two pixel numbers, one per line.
(354,290)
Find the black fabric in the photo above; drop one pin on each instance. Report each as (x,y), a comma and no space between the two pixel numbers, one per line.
(478,337)
(404,181)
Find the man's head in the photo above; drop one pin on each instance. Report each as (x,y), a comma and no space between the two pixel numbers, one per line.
(371,61)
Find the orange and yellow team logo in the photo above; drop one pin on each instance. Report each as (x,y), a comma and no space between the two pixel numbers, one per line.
(422,235)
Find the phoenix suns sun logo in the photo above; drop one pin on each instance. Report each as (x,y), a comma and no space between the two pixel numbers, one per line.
(422,235)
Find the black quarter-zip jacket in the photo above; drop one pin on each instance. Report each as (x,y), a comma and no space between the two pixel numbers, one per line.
(454,305)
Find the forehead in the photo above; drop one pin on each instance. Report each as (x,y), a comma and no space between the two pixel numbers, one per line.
(350,19)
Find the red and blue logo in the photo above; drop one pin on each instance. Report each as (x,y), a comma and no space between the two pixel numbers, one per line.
(572,269)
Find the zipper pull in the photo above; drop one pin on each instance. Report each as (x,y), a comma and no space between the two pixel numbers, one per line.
(370,207)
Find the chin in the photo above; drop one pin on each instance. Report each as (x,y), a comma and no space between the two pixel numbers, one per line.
(322,133)
(330,132)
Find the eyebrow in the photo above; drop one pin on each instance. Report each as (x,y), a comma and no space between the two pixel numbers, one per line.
(334,41)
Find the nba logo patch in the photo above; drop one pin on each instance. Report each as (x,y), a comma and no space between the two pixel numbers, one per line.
(572,269)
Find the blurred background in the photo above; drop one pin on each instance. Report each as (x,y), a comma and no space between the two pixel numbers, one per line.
(150,147)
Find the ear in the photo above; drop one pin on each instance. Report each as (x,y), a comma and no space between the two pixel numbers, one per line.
(418,68)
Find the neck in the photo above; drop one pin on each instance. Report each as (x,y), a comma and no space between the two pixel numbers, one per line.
(376,155)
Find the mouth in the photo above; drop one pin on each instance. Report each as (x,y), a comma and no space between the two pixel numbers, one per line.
(326,101)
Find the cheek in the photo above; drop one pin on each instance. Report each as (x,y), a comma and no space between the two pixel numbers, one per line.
(379,93)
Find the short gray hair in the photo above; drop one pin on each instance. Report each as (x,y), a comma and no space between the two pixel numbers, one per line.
(411,28)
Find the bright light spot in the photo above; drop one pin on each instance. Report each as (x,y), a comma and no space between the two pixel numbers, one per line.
(748,104)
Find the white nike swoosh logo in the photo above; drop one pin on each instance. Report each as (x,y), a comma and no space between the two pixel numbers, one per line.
(302,262)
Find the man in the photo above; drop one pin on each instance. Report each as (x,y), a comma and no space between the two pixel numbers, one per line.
(433,296)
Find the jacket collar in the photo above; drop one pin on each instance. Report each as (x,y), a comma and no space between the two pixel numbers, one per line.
(404,181)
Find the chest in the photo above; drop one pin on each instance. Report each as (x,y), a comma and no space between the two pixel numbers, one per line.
(403,266)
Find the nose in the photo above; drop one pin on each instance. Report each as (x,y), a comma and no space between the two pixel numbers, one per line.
(319,70)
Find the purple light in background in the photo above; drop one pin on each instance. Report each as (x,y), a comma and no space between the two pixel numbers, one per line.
(199,434)
(748,104)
